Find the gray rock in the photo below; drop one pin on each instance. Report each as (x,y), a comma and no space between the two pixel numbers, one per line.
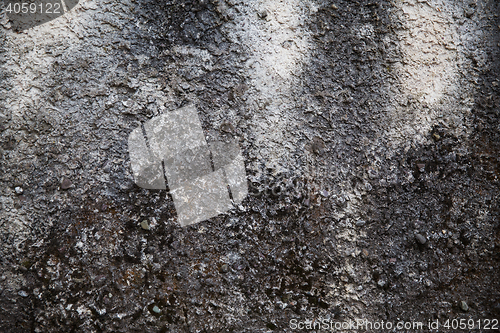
(66,184)
(22,293)
(382,282)
(145,225)
(464,306)
(469,12)
(420,239)
(339,80)
(224,268)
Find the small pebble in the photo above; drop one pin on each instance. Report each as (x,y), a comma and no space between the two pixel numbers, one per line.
(227,127)
(421,167)
(420,239)
(22,293)
(145,225)
(156,309)
(468,12)
(318,146)
(66,184)
(263,14)
(224,268)
(464,306)
(19,190)
(360,223)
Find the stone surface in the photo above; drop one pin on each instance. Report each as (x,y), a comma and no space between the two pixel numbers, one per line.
(319,96)
(420,239)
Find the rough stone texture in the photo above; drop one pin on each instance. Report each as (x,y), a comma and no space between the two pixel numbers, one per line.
(380,111)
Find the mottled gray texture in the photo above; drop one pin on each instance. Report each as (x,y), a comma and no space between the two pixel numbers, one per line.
(391,108)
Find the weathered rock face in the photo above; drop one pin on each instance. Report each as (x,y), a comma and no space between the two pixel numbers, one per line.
(370,133)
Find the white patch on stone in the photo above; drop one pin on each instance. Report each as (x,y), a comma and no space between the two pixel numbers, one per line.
(279,46)
(434,72)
